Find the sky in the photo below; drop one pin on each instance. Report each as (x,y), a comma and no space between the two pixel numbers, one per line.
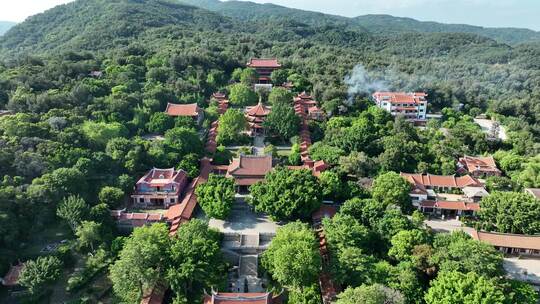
(491,13)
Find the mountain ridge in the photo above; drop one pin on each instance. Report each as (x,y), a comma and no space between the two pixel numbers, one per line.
(86,24)
(375,23)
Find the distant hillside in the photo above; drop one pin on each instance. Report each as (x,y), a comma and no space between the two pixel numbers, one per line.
(380,24)
(390,24)
(102,24)
(5,26)
(245,10)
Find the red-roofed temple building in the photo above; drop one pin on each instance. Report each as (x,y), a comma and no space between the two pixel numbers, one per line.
(247,170)
(478,166)
(411,105)
(256,116)
(264,68)
(160,187)
(307,108)
(186,110)
(510,243)
(242,298)
(425,197)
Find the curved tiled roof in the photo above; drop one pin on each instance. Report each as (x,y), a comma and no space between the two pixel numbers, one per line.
(182,109)
(263,63)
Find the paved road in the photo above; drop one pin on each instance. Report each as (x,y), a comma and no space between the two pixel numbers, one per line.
(447,225)
(243,220)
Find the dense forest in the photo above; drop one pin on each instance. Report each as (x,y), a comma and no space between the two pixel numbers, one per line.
(85,82)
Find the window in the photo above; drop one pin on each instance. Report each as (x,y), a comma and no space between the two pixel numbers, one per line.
(141,200)
(173,200)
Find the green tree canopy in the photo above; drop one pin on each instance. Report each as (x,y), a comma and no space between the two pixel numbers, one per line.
(73,209)
(470,288)
(510,212)
(287,194)
(282,122)
(111,196)
(249,76)
(231,124)
(216,196)
(141,262)
(88,233)
(190,164)
(160,122)
(390,188)
(280,96)
(459,252)
(99,133)
(293,258)
(38,273)
(404,243)
(370,294)
(241,95)
(196,262)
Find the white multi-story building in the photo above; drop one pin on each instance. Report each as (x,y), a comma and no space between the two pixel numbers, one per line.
(411,105)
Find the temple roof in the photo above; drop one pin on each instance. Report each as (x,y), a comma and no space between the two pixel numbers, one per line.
(263,63)
(258,110)
(183,109)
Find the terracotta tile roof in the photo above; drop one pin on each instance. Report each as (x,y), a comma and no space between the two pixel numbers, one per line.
(534,192)
(421,181)
(263,63)
(258,110)
(249,165)
(242,298)
(304,95)
(183,109)
(472,163)
(508,240)
(324,211)
(181,213)
(12,276)
(400,97)
(162,177)
(449,205)
(219,96)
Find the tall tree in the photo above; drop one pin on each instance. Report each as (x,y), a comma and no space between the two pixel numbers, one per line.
(280,96)
(231,124)
(510,212)
(371,294)
(37,274)
(141,263)
(282,122)
(470,288)
(196,262)
(287,194)
(241,95)
(390,188)
(88,233)
(293,258)
(216,196)
(73,209)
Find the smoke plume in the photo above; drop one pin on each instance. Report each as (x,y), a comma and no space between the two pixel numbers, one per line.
(361,83)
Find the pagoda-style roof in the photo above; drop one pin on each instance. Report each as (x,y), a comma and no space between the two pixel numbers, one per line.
(258,110)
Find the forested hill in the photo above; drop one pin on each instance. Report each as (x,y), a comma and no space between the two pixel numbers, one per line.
(104,24)
(379,24)
(391,24)
(5,26)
